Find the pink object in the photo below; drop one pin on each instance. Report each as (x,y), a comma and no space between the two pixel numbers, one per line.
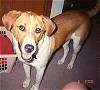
(6,46)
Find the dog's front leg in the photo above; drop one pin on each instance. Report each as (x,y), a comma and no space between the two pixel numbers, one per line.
(39,75)
(27,73)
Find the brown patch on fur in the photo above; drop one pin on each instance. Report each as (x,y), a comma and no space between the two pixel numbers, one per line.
(67,24)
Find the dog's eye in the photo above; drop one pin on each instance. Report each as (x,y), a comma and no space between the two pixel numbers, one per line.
(37,30)
(21,27)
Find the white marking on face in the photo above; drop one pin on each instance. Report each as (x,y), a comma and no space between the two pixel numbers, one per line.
(28,41)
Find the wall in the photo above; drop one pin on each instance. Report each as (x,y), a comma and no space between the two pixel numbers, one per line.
(57,6)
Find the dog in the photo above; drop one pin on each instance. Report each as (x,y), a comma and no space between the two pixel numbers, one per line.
(36,37)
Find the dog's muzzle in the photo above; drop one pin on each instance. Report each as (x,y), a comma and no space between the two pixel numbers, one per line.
(30,59)
(28,52)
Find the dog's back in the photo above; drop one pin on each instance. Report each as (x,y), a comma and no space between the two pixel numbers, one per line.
(68,23)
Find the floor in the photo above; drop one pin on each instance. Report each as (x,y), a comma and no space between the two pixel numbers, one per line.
(86,68)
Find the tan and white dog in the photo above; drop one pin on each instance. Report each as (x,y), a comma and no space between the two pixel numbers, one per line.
(36,37)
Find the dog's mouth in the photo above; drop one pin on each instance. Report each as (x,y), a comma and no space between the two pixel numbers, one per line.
(28,57)
(28,54)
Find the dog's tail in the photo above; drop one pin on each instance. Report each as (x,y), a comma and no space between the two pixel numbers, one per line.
(95,10)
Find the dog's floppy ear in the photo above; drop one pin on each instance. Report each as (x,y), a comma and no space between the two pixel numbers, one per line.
(49,25)
(9,18)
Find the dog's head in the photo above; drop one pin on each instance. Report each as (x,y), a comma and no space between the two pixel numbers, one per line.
(28,28)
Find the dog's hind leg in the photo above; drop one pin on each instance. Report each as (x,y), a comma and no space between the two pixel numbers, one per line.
(27,73)
(66,50)
(76,49)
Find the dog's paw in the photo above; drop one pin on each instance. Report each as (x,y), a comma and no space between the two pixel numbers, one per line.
(34,88)
(60,61)
(26,83)
(70,66)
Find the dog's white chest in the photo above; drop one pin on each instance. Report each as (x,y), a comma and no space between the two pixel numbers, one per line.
(43,52)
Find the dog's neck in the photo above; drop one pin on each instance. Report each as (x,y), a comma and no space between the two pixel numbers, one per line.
(44,44)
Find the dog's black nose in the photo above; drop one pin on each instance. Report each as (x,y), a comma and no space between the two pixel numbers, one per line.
(29,48)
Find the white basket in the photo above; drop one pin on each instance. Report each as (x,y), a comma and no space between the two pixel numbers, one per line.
(7,62)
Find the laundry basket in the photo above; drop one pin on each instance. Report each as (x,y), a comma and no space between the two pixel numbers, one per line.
(7,62)
(7,55)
